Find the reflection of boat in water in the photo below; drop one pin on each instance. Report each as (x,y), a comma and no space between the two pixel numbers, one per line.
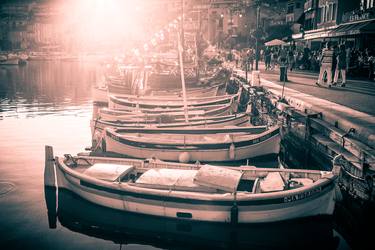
(81,216)
(8,60)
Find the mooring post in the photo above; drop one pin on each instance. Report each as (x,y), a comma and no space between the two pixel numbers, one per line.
(49,167)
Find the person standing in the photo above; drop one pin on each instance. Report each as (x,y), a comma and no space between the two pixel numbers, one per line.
(291,59)
(326,65)
(283,65)
(267,58)
(341,66)
(250,59)
(334,61)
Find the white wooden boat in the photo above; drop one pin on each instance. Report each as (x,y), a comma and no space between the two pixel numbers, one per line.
(192,191)
(101,93)
(8,60)
(190,92)
(242,119)
(135,103)
(193,144)
(210,110)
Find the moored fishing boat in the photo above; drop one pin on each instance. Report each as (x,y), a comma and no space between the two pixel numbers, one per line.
(81,216)
(195,144)
(208,110)
(100,93)
(133,103)
(242,119)
(9,59)
(192,191)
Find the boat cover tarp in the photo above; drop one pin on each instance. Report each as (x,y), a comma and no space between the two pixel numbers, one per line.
(168,177)
(272,182)
(218,177)
(108,172)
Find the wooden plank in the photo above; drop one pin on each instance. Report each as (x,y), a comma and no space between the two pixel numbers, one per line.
(337,149)
(354,146)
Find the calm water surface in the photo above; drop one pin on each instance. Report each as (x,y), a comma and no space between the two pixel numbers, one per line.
(49,103)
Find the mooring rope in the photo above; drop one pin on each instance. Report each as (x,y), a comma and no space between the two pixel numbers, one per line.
(6,187)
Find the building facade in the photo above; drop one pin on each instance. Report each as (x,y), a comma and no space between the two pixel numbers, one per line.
(328,20)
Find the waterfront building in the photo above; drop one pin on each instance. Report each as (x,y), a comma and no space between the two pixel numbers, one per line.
(14,20)
(325,20)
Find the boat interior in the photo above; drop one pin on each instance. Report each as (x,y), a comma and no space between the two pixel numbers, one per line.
(156,174)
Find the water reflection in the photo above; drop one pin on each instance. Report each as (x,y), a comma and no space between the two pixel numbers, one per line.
(45,87)
(124,228)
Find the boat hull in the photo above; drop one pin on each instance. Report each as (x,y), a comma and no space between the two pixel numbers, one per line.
(265,144)
(230,120)
(145,103)
(306,203)
(211,110)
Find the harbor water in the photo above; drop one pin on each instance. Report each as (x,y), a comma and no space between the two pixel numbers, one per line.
(50,103)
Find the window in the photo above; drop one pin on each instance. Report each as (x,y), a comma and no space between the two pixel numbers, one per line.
(298,5)
(322,14)
(334,11)
(330,18)
(290,9)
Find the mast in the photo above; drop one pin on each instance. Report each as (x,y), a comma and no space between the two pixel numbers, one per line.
(180,53)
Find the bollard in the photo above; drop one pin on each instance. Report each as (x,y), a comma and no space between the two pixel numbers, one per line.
(283,73)
(255,78)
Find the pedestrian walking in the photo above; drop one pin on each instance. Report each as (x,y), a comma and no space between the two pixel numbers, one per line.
(267,58)
(291,59)
(273,59)
(250,59)
(334,61)
(371,61)
(341,66)
(326,65)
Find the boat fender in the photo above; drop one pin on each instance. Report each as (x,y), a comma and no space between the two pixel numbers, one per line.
(184,157)
(232,149)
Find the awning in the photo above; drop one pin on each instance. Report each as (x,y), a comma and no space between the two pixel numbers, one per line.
(350,29)
(309,35)
(274,42)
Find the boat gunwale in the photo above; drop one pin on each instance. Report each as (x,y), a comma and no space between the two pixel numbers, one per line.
(322,184)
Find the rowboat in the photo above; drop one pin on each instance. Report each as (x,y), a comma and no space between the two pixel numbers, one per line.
(190,92)
(169,79)
(193,144)
(8,59)
(194,192)
(100,94)
(207,110)
(242,119)
(134,103)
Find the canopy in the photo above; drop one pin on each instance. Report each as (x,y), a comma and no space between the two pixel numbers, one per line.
(355,28)
(274,42)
